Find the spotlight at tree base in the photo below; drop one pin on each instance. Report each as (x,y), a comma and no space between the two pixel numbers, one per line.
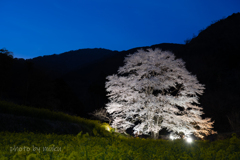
(107,128)
(189,139)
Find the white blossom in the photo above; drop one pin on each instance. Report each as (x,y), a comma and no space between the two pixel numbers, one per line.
(155,89)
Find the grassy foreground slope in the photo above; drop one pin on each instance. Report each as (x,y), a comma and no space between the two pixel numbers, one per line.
(16,118)
(85,147)
(95,141)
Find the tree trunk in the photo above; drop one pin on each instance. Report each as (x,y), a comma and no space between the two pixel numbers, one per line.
(154,135)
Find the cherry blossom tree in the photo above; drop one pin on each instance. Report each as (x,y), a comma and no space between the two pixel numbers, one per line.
(152,91)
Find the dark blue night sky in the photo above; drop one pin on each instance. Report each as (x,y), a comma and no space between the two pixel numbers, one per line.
(31,28)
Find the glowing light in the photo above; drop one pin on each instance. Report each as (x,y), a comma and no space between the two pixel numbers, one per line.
(108,128)
(189,140)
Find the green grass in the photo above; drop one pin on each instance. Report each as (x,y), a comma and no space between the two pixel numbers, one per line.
(95,142)
(44,114)
(86,147)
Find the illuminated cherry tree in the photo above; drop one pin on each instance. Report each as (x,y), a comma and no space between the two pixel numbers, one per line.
(152,91)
